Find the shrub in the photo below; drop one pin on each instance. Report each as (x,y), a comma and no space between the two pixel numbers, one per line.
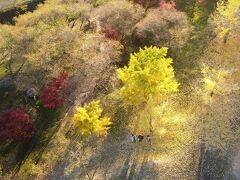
(167,5)
(15,124)
(120,15)
(112,34)
(100,2)
(30,170)
(166,27)
(141,2)
(54,96)
(147,3)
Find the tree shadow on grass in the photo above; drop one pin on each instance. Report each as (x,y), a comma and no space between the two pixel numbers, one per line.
(104,156)
(111,151)
(137,169)
(125,168)
(47,124)
(148,171)
(113,159)
(132,170)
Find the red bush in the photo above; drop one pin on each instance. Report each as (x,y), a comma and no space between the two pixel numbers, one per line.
(16,125)
(167,5)
(112,34)
(141,2)
(54,96)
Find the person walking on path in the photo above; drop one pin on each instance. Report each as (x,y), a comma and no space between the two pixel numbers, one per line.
(140,138)
(134,138)
(149,139)
(32,94)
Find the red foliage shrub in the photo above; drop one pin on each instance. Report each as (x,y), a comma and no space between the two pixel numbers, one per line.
(15,124)
(167,5)
(111,33)
(54,96)
(141,2)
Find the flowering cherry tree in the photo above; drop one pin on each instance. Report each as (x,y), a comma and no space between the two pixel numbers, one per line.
(15,124)
(55,95)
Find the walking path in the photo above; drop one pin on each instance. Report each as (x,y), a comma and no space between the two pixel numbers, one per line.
(117,159)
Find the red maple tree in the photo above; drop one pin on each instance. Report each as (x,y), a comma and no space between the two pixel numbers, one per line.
(15,124)
(55,95)
(111,33)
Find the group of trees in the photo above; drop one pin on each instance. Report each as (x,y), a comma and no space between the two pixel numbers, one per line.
(85,40)
(149,77)
(42,45)
(16,124)
(39,38)
(159,26)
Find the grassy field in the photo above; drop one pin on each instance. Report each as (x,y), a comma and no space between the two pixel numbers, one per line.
(8,4)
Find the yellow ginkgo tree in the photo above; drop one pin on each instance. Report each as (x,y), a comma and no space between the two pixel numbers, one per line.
(226,16)
(214,82)
(147,79)
(150,74)
(88,120)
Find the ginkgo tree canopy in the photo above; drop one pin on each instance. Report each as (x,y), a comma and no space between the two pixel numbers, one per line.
(88,120)
(150,74)
(226,16)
